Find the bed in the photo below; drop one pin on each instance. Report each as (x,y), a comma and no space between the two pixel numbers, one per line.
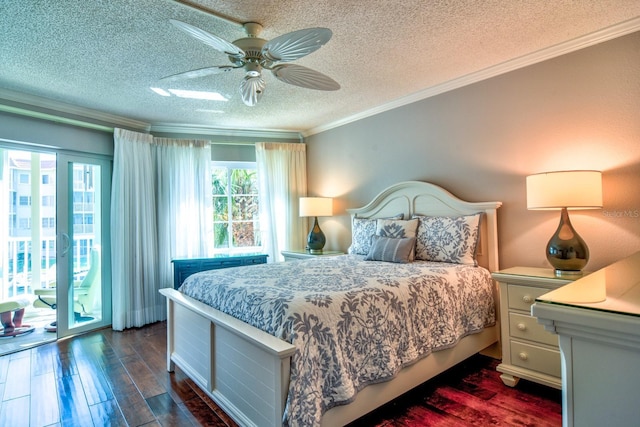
(247,371)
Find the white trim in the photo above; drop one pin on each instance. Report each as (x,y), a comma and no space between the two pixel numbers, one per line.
(53,118)
(221,131)
(109,120)
(564,48)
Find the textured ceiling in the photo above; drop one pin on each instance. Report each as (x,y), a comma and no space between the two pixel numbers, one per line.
(104,55)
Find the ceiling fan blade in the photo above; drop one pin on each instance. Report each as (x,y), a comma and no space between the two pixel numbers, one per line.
(294,45)
(304,77)
(208,38)
(200,72)
(251,89)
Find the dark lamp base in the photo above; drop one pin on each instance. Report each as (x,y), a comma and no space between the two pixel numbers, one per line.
(567,252)
(316,239)
(568,273)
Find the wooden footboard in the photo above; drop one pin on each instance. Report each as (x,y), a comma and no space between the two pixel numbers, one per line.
(246,371)
(243,369)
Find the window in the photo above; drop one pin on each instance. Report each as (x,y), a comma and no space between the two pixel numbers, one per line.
(24,178)
(48,222)
(46,179)
(236,221)
(25,200)
(48,201)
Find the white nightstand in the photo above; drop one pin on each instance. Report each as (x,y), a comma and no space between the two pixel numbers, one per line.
(528,350)
(302,254)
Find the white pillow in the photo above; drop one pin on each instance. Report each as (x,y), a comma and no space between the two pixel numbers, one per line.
(448,239)
(361,231)
(398,229)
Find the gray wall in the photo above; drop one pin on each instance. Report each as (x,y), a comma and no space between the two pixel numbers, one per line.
(577,111)
(47,134)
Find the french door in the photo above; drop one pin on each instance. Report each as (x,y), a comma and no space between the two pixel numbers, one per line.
(54,237)
(83,191)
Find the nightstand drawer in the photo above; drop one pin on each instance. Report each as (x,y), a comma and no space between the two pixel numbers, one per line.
(522,297)
(526,327)
(535,358)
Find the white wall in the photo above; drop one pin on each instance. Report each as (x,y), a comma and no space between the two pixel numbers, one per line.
(577,111)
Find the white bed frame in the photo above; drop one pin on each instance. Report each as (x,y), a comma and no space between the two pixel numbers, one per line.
(246,371)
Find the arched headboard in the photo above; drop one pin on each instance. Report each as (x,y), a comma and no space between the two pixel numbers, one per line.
(423,198)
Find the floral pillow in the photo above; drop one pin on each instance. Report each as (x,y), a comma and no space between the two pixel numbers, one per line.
(448,239)
(398,229)
(361,231)
(389,249)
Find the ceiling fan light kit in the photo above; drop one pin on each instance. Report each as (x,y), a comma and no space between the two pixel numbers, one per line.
(254,54)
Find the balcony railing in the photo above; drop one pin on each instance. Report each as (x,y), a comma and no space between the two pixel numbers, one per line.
(20,275)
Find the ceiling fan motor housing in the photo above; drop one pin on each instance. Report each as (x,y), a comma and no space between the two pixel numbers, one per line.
(252,48)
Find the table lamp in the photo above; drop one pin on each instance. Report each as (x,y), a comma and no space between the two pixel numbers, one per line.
(315,207)
(567,252)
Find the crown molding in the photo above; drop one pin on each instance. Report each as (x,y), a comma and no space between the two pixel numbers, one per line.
(48,109)
(229,132)
(60,112)
(560,49)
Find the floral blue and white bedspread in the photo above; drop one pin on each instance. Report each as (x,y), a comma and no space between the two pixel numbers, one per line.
(353,322)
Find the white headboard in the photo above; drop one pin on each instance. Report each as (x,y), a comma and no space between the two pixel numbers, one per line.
(423,198)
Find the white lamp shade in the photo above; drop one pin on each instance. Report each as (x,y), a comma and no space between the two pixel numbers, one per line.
(316,206)
(566,189)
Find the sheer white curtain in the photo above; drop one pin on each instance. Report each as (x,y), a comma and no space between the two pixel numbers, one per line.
(160,210)
(282,171)
(185,226)
(134,245)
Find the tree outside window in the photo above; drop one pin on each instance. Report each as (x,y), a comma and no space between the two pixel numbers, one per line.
(236,220)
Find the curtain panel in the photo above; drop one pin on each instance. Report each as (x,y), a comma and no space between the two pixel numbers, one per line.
(282,169)
(183,179)
(157,215)
(134,243)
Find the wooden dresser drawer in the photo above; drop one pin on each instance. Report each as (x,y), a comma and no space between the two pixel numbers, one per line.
(535,358)
(522,297)
(526,327)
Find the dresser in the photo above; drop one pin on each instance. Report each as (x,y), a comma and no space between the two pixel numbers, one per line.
(528,350)
(183,268)
(597,319)
(302,254)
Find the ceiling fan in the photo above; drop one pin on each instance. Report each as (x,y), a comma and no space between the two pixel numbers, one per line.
(253,55)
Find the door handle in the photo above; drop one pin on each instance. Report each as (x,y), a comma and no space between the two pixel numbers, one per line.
(65,244)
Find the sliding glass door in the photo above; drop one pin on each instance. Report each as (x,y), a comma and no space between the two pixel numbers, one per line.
(84,300)
(54,232)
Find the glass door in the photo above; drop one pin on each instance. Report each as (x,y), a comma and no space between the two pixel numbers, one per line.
(84,188)
(27,244)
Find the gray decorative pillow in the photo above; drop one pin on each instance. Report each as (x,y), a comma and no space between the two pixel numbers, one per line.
(361,231)
(391,250)
(398,229)
(448,239)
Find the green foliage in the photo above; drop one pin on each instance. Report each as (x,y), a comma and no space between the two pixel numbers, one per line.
(240,207)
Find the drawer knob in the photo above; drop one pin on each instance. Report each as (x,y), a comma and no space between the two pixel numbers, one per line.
(523,356)
(522,326)
(527,299)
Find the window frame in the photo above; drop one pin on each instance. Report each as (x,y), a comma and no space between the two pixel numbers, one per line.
(230,166)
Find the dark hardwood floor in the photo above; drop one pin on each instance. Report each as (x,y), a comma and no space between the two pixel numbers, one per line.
(109,378)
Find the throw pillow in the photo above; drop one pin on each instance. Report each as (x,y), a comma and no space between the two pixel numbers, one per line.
(390,249)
